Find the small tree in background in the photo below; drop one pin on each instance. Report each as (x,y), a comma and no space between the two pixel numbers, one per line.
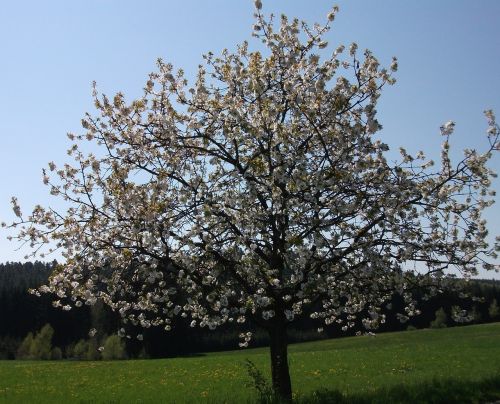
(262,193)
(8,347)
(92,353)
(41,346)
(114,348)
(80,350)
(440,320)
(493,310)
(56,354)
(23,352)
(476,314)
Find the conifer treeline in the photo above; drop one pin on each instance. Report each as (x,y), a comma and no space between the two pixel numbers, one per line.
(22,313)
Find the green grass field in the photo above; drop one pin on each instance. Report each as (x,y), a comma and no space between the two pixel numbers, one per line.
(356,367)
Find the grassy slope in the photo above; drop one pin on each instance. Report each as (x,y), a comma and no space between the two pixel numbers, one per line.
(351,365)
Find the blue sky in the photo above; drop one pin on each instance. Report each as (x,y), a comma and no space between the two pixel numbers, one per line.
(448,51)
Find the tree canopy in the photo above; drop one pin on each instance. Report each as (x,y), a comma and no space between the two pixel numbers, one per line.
(260,192)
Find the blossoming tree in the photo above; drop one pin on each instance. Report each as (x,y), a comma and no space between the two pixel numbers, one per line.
(260,193)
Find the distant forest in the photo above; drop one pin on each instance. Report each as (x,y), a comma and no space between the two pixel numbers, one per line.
(22,313)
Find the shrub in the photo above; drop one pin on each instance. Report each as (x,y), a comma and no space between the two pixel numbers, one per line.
(143,354)
(114,348)
(56,354)
(8,347)
(80,350)
(69,351)
(259,383)
(93,353)
(38,346)
(440,320)
(493,310)
(23,352)
(476,315)
(41,346)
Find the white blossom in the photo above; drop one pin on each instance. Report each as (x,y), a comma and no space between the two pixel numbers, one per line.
(447,128)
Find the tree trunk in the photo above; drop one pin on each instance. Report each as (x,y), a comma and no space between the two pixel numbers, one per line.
(282,385)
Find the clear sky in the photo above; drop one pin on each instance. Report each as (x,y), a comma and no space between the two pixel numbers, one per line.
(51,51)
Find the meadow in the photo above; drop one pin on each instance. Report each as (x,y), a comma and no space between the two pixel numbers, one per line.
(461,364)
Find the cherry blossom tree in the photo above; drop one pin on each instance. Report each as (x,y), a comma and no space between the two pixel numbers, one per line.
(259,193)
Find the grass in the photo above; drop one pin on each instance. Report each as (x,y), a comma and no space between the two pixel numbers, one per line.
(445,365)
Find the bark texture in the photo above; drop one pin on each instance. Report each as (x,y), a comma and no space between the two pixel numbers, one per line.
(282,385)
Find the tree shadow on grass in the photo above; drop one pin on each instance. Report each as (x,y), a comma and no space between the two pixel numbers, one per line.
(446,391)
